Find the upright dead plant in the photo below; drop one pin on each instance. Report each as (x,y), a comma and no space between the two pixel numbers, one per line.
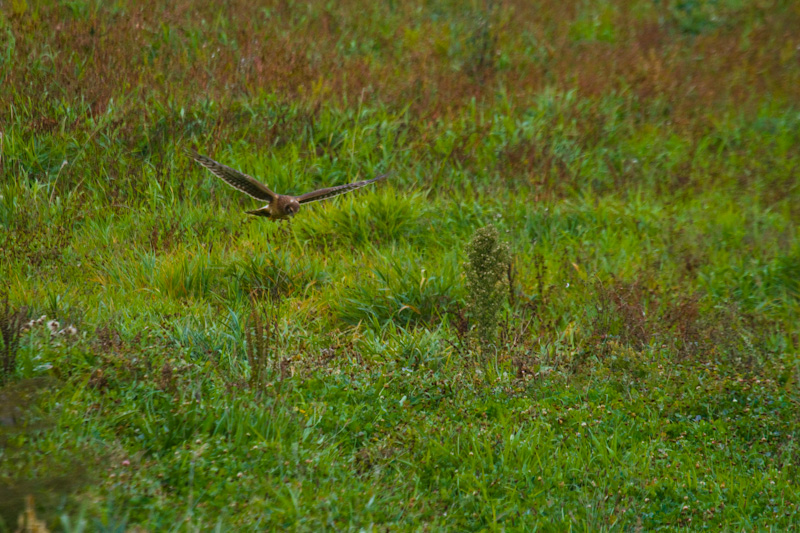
(262,341)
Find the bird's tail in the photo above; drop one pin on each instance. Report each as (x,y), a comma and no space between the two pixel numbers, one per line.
(260,212)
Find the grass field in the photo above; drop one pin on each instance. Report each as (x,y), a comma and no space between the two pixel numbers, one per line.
(208,370)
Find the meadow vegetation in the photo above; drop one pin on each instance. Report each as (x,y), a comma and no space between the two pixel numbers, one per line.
(171,364)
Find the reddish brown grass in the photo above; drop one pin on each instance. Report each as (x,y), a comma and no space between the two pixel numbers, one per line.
(188,51)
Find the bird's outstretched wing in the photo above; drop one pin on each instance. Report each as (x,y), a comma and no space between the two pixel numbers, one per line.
(322,194)
(234,178)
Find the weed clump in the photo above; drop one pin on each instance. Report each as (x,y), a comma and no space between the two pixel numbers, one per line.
(488,260)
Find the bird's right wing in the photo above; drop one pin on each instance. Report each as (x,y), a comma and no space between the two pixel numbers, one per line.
(234,178)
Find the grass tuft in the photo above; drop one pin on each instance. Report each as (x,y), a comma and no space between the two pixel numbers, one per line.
(11,328)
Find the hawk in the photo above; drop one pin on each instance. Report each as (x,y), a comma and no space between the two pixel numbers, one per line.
(279,206)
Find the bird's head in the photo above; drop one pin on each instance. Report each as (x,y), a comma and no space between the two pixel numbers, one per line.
(292,207)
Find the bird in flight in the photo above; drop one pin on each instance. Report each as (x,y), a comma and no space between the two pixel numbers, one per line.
(279,206)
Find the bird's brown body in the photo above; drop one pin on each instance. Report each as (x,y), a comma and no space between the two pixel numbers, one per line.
(282,208)
(279,206)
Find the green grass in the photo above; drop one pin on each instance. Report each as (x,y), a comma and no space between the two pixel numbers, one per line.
(640,159)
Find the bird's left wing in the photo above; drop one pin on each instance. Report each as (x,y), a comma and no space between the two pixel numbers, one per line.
(322,194)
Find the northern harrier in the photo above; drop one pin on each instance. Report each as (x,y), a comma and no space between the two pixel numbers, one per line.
(279,206)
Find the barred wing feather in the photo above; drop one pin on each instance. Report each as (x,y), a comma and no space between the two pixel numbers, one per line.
(322,194)
(238,180)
